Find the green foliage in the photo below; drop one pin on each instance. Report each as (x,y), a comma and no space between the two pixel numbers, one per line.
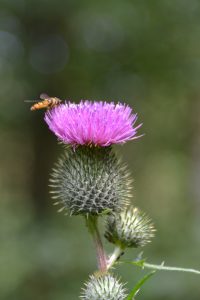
(137,287)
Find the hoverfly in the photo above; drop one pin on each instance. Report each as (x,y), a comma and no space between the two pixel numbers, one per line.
(47,102)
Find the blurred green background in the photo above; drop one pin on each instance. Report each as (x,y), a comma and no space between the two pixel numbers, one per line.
(145,53)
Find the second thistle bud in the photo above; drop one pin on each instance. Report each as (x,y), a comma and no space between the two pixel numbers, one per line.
(130,228)
(104,287)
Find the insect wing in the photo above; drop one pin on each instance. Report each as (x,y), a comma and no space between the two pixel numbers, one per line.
(44,96)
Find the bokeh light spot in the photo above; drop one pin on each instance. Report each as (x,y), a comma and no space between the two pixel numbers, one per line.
(10,46)
(49,55)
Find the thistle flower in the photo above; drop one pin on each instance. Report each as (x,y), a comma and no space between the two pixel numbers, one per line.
(103,287)
(90,181)
(130,228)
(92,123)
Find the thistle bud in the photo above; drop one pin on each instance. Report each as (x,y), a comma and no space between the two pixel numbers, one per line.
(103,287)
(130,228)
(90,180)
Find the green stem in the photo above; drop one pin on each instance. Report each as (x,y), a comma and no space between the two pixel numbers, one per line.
(92,224)
(115,256)
(161,267)
(167,268)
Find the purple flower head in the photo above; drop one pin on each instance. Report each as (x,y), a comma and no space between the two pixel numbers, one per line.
(92,123)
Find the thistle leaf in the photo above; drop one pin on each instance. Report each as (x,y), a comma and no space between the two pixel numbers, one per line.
(138,285)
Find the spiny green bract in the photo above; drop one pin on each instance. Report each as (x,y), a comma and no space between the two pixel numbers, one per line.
(129,228)
(103,287)
(90,180)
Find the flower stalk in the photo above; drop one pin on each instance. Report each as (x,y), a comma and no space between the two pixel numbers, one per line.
(92,224)
(118,251)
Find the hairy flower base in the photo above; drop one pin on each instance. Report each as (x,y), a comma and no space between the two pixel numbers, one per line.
(90,180)
(103,287)
(130,228)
